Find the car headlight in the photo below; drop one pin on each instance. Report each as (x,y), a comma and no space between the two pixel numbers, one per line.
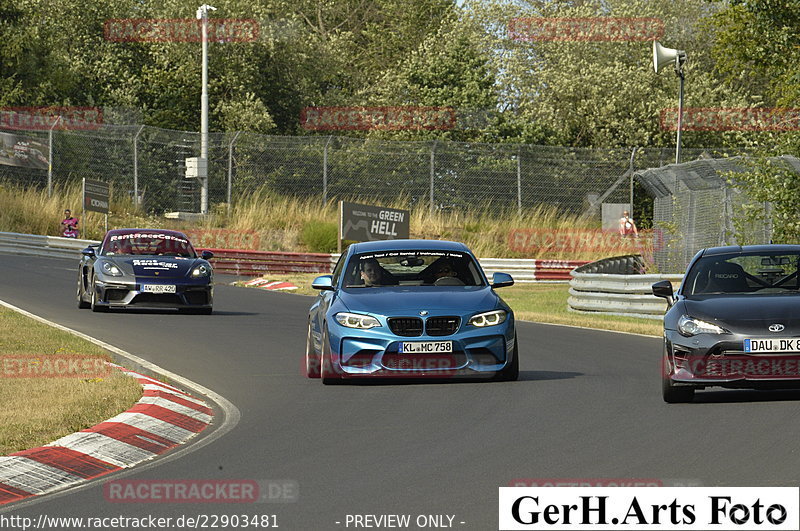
(111,269)
(689,326)
(495,317)
(201,271)
(356,320)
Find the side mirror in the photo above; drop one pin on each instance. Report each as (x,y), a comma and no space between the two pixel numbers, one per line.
(89,252)
(663,289)
(502,280)
(205,255)
(325,282)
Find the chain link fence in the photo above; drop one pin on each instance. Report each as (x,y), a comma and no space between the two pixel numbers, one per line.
(693,205)
(148,163)
(697,205)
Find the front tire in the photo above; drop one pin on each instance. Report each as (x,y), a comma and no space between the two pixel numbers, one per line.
(93,305)
(312,358)
(82,304)
(671,393)
(510,373)
(329,374)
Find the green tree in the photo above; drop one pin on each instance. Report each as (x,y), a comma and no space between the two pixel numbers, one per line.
(601,93)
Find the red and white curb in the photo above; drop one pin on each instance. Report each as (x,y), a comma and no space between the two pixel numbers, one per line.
(163,418)
(271,285)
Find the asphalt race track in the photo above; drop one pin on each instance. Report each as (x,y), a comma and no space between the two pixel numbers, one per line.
(588,405)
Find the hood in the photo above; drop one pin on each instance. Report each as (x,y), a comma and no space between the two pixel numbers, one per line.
(155,266)
(394,300)
(749,313)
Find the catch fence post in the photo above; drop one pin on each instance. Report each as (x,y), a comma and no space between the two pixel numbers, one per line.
(230,170)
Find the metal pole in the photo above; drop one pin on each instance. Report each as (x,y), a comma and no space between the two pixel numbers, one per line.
(230,169)
(202,14)
(325,172)
(680,119)
(136,201)
(433,150)
(50,158)
(519,181)
(630,167)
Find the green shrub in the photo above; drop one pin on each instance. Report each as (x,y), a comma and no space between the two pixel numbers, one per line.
(320,236)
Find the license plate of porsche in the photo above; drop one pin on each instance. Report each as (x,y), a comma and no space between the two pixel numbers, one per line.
(425,347)
(158,288)
(772,344)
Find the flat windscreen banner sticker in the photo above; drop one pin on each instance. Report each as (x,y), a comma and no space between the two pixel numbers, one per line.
(95,196)
(26,152)
(657,508)
(366,223)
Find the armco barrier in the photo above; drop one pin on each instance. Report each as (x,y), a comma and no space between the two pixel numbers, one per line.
(52,246)
(254,263)
(530,269)
(611,286)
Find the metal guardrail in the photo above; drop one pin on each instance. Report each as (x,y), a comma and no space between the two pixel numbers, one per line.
(603,290)
(254,263)
(529,269)
(36,245)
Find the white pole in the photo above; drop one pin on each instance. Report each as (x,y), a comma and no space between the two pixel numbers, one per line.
(202,14)
(136,168)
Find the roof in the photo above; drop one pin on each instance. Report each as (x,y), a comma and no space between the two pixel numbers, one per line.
(156,231)
(702,174)
(408,245)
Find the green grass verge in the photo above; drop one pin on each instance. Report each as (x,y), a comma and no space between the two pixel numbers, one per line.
(39,410)
(543,303)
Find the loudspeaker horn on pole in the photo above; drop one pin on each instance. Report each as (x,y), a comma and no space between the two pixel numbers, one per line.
(663,56)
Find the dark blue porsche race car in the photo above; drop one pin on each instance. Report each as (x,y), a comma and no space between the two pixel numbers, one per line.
(410,308)
(145,268)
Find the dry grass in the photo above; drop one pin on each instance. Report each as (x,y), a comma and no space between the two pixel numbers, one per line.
(39,410)
(542,303)
(547,303)
(31,211)
(279,222)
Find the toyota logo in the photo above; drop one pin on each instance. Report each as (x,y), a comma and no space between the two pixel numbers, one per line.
(776,327)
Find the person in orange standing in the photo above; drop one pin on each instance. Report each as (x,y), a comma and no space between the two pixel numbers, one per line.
(70,225)
(627,227)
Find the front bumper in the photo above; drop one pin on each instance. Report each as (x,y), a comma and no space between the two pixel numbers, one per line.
(708,360)
(115,294)
(476,353)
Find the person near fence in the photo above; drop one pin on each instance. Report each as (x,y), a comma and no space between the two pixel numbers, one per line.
(70,225)
(627,227)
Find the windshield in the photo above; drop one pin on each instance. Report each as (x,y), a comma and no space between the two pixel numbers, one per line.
(743,273)
(147,243)
(412,268)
